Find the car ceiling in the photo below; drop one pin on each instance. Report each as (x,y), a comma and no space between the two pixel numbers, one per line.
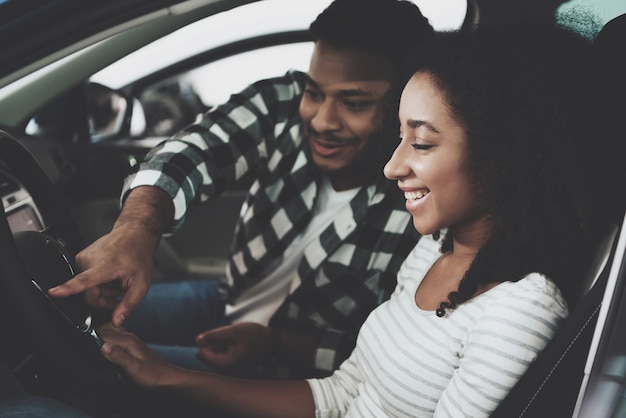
(31,30)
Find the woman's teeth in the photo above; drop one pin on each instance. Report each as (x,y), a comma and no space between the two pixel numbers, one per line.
(415,195)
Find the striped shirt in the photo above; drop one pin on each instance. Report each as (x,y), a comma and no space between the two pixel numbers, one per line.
(344,273)
(410,363)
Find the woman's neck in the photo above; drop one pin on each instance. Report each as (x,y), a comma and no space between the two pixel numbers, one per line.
(468,239)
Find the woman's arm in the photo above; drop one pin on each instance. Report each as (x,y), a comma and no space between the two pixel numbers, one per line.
(240,397)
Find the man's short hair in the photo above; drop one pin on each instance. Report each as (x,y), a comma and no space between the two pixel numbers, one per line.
(390,28)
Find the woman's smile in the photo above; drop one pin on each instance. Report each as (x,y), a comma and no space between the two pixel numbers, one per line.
(415,198)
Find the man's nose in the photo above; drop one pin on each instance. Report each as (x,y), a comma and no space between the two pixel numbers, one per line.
(326,118)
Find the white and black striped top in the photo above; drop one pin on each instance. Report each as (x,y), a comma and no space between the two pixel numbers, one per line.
(410,363)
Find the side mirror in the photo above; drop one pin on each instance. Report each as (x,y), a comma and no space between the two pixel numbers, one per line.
(111,114)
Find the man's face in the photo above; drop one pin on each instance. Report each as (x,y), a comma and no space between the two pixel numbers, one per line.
(342,112)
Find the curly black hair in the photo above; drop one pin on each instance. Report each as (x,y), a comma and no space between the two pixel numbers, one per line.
(522,98)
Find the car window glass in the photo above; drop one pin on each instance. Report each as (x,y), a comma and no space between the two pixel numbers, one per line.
(246,22)
(171,104)
(240,70)
(589,16)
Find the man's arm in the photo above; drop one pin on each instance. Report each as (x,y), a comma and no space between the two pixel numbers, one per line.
(207,155)
(125,254)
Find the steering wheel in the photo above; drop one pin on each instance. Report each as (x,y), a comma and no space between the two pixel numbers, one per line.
(59,331)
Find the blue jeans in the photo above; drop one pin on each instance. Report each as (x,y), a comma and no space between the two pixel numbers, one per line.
(173,313)
(37,406)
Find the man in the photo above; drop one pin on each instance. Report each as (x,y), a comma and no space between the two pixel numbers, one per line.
(321,235)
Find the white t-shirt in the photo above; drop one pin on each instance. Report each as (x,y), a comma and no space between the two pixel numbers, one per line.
(260,302)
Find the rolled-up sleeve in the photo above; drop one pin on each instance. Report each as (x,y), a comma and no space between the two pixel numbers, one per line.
(222,147)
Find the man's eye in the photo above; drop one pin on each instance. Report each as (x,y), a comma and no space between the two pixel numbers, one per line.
(356,106)
(312,94)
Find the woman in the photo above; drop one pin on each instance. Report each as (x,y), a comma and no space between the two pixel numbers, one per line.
(487,161)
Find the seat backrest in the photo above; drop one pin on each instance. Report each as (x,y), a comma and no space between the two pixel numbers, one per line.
(551,384)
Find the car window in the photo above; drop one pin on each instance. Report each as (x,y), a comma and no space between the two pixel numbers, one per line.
(180,75)
(172,103)
(589,16)
(214,82)
(604,10)
(245,22)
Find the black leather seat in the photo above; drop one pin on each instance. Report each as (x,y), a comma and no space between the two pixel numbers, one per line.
(551,385)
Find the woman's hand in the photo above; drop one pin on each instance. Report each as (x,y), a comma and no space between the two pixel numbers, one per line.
(140,363)
(223,394)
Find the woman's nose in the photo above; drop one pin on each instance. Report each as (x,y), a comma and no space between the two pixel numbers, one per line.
(396,168)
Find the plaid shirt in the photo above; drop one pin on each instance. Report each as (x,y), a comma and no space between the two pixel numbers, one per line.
(344,274)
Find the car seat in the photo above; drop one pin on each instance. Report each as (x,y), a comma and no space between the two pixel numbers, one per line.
(551,385)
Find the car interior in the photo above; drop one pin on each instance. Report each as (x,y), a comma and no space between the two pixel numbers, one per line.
(60,195)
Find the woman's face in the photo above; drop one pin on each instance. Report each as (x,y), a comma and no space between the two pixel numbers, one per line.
(430,163)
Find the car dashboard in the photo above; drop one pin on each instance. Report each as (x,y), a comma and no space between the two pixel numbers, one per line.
(20,208)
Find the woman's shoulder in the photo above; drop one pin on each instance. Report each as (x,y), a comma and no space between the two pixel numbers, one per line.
(535,290)
(533,283)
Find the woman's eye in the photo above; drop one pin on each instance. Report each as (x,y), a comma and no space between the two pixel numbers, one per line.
(421,147)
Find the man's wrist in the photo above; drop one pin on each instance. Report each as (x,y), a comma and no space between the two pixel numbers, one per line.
(148,207)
